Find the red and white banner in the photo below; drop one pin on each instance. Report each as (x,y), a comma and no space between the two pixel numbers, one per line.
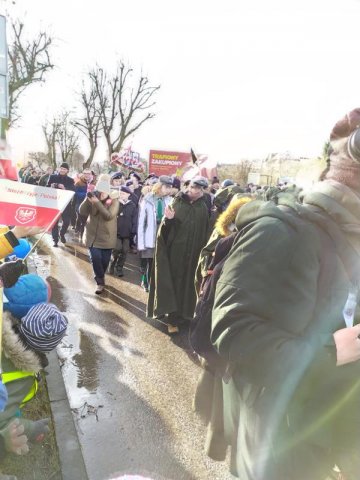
(204,166)
(7,168)
(30,205)
(129,159)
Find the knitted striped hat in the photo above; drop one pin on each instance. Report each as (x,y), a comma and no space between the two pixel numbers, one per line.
(43,327)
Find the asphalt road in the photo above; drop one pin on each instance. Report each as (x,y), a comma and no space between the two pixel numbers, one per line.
(130,385)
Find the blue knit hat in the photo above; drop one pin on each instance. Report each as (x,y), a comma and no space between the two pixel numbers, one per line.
(43,327)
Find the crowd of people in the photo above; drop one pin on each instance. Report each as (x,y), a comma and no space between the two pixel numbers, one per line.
(266,280)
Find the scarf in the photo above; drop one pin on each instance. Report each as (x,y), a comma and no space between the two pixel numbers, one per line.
(159,210)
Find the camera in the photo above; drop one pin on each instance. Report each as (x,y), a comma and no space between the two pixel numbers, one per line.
(92,194)
(55,185)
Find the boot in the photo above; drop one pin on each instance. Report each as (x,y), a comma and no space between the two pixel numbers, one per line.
(144,282)
(119,272)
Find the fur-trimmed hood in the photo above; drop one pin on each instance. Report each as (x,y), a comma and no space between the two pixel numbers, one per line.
(227,218)
(15,350)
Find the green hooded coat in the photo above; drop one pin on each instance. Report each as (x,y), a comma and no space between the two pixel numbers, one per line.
(178,246)
(289,412)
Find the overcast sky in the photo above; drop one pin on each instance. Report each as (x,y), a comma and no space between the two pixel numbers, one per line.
(239,78)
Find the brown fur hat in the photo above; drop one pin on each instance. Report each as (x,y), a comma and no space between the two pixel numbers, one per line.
(342,166)
(344,127)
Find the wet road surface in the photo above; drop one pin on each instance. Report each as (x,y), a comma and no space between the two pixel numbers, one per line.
(130,385)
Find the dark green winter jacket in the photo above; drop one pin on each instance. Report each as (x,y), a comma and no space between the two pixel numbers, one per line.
(290,413)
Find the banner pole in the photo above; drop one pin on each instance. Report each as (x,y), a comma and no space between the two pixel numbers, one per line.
(58,215)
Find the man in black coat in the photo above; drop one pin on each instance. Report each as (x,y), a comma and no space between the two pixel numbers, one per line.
(126,228)
(62,181)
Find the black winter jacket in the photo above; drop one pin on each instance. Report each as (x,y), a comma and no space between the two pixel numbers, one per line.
(127,220)
(68,182)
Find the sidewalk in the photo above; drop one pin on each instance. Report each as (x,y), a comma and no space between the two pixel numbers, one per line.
(71,459)
(70,455)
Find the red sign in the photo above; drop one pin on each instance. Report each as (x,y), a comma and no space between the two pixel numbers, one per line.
(169,163)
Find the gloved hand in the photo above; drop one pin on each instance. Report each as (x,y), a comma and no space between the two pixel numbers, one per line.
(10,273)
(14,438)
(35,430)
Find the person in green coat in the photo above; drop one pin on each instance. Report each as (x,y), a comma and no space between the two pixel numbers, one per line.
(181,236)
(285,321)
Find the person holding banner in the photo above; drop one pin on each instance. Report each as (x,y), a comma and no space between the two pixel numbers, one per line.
(62,181)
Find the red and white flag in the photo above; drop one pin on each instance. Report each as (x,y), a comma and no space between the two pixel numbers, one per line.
(30,205)
(7,168)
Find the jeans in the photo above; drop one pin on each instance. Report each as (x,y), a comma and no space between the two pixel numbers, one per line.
(66,219)
(100,259)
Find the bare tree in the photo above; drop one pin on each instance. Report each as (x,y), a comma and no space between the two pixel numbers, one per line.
(39,158)
(89,123)
(66,137)
(243,168)
(107,92)
(123,106)
(50,130)
(29,61)
(133,106)
(78,161)
(326,150)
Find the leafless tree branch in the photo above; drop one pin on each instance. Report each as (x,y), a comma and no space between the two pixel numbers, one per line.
(29,61)
(122,108)
(89,123)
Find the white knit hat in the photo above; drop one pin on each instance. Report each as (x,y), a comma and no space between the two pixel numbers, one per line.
(103,183)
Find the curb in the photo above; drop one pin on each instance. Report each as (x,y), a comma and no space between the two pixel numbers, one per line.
(71,459)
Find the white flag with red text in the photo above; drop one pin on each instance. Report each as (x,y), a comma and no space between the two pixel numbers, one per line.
(30,205)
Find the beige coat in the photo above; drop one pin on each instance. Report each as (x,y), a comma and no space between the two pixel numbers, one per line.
(101,224)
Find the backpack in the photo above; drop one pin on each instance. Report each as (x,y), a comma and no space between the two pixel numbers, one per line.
(200,325)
